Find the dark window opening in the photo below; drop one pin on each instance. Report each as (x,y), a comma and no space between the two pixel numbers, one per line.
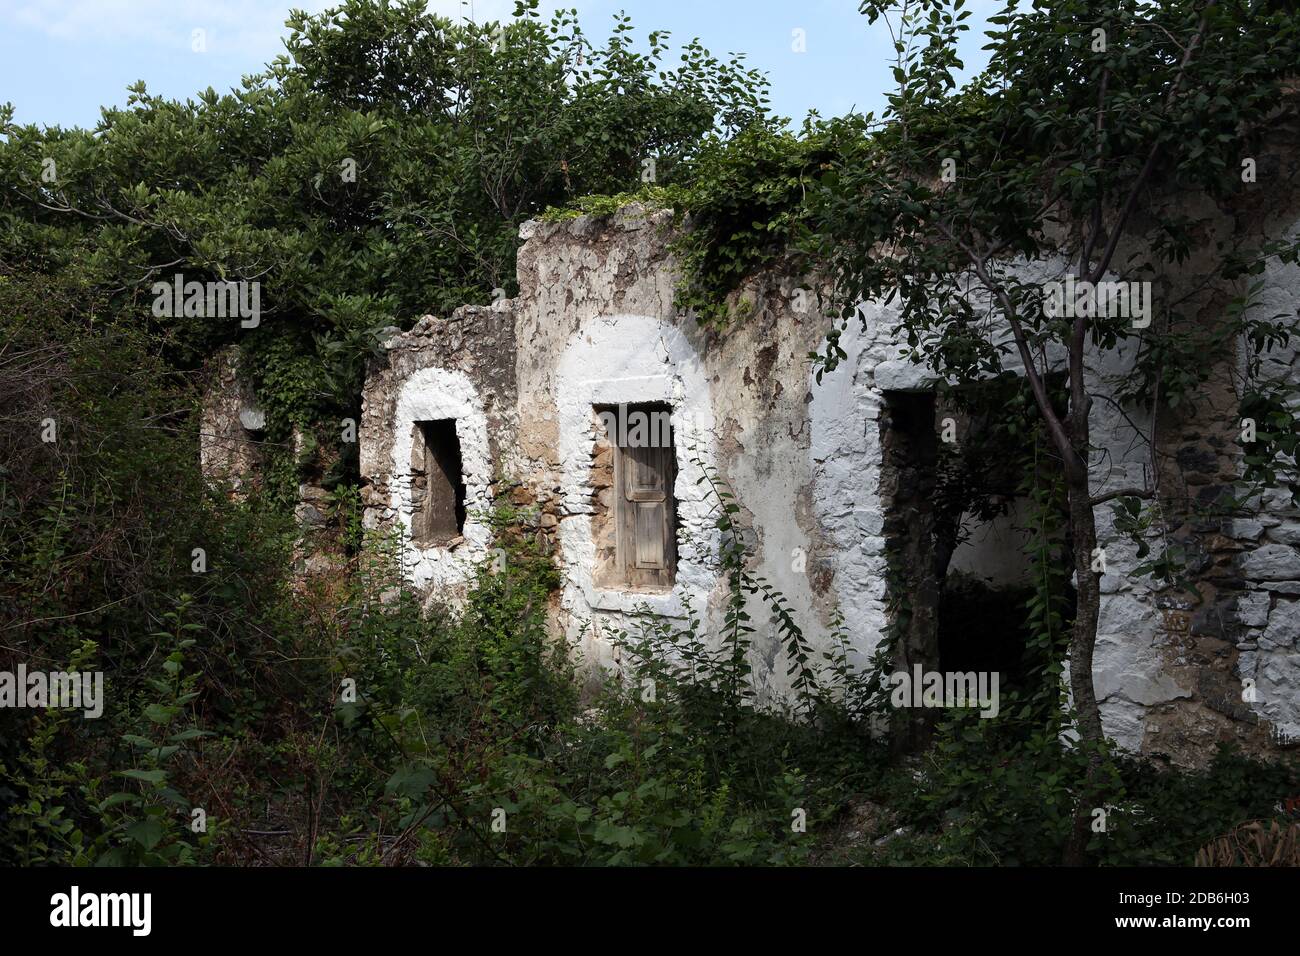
(982,628)
(907,486)
(437,484)
(951,521)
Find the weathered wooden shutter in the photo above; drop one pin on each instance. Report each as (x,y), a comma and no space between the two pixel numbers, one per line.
(437,486)
(646,536)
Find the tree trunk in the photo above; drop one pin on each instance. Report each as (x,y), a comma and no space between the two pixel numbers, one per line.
(1083,635)
(1083,640)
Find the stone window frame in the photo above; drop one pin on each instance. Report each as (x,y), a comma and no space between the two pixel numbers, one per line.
(433,394)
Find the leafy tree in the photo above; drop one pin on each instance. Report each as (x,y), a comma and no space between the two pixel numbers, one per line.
(377,170)
(1105,140)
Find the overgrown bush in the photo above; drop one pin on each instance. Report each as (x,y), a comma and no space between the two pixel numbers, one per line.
(1000,793)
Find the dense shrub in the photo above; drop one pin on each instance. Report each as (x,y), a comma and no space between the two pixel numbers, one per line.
(1001,793)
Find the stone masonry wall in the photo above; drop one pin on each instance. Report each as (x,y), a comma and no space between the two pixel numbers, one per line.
(228,423)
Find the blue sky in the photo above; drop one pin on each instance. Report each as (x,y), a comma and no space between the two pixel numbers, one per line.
(60,60)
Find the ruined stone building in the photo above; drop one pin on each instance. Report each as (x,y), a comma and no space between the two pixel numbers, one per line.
(515,398)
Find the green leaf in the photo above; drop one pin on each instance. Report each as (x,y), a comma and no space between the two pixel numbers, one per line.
(160,713)
(192,733)
(148,776)
(148,833)
(117,799)
(410,780)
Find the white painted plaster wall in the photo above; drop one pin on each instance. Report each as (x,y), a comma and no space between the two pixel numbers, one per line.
(845,449)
